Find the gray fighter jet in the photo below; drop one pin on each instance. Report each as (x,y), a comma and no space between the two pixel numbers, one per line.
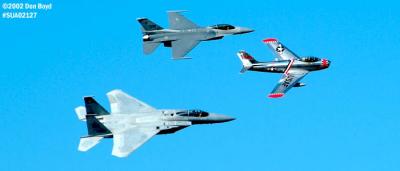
(293,67)
(131,122)
(183,35)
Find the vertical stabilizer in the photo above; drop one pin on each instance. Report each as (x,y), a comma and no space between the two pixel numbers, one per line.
(94,108)
(96,130)
(247,60)
(148,25)
(95,127)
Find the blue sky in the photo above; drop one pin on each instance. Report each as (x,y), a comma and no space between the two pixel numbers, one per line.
(346,118)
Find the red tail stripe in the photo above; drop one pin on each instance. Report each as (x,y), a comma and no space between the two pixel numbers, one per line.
(246,56)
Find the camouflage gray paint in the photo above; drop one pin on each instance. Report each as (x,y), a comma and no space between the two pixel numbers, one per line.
(131,122)
(183,35)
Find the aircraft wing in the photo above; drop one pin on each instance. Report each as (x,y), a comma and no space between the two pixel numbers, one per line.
(149,47)
(129,140)
(289,79)
(279,49)
(179,22)
(122,103)
(182,47)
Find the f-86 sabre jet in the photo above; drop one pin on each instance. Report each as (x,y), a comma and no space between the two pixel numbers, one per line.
(293,67)
(131,122)
(183,35)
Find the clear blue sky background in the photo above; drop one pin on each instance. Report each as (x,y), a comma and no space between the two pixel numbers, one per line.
(346,118)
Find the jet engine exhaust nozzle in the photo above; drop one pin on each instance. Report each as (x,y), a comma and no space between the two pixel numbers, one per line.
(146,38)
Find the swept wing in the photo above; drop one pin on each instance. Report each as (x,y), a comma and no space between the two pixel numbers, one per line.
(122,103)
(127,141)
(182,47)
(179,22)
(281,51)
(289,79)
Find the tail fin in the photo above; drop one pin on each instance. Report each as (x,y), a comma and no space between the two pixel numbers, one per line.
(149,47)
(247,60)
(96,132)
(148,25)
(95,127)
(94,108)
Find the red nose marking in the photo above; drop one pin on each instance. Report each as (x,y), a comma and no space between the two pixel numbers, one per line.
(324,63)
(275,95)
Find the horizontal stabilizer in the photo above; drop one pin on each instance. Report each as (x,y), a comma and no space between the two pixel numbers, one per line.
(81,113)
(244,69)
(87,143)
(149,47)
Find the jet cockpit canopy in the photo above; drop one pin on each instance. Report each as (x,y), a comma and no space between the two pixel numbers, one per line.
(310,59)
(193,113)
(223,27)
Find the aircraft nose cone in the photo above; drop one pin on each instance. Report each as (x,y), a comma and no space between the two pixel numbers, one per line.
(246,30)
(326,63)
(243,30)
(223,118)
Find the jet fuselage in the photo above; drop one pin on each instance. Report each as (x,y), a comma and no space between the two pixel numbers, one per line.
(201,34)
(131,122)
(281,66)
(166,121)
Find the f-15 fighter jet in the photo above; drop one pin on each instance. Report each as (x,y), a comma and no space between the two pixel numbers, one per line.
(293,67)
(131,122)
(183,35)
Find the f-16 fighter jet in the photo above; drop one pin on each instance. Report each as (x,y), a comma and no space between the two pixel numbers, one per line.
(131,122)
(293,67)
(183,35)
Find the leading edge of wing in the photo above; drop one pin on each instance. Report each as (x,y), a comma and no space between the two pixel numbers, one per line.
(122,103)
(177,21)
(280,50)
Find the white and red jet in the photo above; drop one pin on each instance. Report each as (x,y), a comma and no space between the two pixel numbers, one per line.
(293,67)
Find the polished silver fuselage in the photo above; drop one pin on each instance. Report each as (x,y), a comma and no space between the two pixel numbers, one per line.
(281,66)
